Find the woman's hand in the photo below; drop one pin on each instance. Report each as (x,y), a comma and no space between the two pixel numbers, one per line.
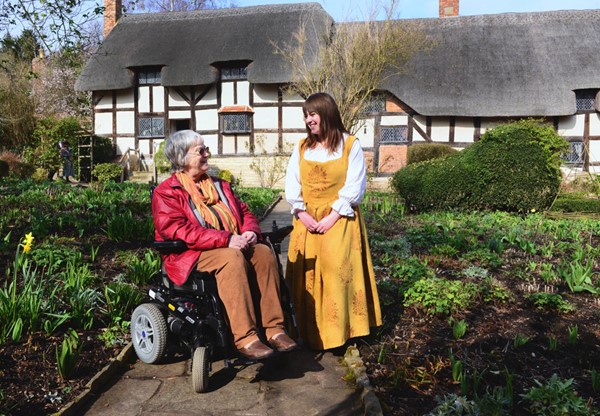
(326,223)
(308,221)
(239,242)
(250,237)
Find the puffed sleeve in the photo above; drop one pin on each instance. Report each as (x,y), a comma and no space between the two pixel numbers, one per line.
(356,182)
(293,186)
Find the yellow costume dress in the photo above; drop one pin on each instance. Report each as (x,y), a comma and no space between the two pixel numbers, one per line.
(331,275)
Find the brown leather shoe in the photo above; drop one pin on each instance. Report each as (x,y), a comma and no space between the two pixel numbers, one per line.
(256,350)
(282,342)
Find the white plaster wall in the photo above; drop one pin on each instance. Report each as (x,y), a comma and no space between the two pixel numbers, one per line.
(125,122)
(125,99)
(293,118)
(144,147)
(264,93)
(158,99)
(295,98)
(207,119)
(228,145)
(210,98)
(595,151)
(124,143)
(243,93)
(421,122)
(105,102)
(265,142)
(464,130)
(144,99)
(227,93)
(440,129)
(103,123)
(571,126)
(366,134)
(265,118)
(290,141)
(211,140)
(394,121)
(179,115)
(175,100)
(594,124)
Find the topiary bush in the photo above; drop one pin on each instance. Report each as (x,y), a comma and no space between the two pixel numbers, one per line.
(514,167)
(163,165)
(421,152)
(105,172)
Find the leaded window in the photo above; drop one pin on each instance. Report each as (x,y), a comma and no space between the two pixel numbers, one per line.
(236,122)
(151,127)
(585,100)
(375,104)
(394,134)
(149,76)
(234,73)
(575,153)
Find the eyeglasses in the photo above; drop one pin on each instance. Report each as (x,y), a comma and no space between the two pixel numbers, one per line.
(201,150)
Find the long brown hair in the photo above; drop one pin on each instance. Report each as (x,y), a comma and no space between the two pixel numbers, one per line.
(331,128)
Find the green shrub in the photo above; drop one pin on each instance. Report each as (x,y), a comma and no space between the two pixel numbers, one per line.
(3,169)
(106,172)
(556,398)
(436,295)
(160,160)
(421,152)
(514,167)
(576,203)
(226,175)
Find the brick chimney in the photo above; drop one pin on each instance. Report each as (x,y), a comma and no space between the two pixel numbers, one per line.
(112,13)
(448,8)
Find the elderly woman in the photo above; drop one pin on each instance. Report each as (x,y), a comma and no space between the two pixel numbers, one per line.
(222,237)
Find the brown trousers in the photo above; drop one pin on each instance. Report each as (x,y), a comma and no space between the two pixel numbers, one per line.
(245,279)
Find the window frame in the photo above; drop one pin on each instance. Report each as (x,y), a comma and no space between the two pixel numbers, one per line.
(142,76)
(247,121)
(402,128)
(152,119)
(584,96)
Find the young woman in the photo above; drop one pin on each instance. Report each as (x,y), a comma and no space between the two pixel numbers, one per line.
(329,265)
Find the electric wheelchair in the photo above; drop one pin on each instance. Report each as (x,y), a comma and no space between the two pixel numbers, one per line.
(192,315)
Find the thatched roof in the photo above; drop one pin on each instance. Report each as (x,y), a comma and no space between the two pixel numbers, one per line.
(187,44)
(513,64)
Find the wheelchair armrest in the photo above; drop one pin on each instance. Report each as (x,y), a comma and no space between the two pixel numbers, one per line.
(278,235)
(171,246)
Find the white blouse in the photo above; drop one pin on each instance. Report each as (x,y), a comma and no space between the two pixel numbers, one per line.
(356,177)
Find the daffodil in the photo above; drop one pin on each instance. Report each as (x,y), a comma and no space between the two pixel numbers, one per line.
(27,242)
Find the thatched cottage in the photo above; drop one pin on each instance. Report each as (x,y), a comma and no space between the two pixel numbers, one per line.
(215,71)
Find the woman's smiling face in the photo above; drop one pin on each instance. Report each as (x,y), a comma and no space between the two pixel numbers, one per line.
(313,122)
(197,158)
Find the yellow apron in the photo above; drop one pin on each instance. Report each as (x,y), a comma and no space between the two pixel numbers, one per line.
(331,275)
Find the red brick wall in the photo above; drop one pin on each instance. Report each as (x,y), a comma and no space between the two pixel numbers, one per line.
(391,158)
(112,13)
(448,8)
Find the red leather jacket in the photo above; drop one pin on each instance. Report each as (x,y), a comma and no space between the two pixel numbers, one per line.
(174,219)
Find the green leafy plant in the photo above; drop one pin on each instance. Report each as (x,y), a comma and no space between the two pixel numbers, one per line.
(579,276)
(451,405)
(436,295)
(573,334)
(520,340)
(68,354)
(556,397)
(142,271)
(595,376)
(459,328)
(552,343)
(550,301)
(106,172)
(121,298)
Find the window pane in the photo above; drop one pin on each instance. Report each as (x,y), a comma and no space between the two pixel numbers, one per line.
(375,104)
(234,73)
(151,127)
(585,100)
(394,135)
(235,123)
(149,77)
(575,153)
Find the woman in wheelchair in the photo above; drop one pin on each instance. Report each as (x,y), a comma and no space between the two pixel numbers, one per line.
(223,237)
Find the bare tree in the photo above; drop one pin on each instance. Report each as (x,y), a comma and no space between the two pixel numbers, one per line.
(354,62)
(179,5)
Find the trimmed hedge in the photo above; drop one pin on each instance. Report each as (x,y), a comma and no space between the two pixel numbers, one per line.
(576,203)
(514,167)
(421,152)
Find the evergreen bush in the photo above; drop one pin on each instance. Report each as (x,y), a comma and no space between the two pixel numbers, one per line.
(421,152)
(514,167)
(106,172)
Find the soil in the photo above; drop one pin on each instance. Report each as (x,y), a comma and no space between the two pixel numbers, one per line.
(408,360)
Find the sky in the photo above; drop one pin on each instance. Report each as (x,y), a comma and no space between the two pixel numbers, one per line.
(351,10)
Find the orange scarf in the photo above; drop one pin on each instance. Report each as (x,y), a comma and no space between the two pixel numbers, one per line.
(206,199)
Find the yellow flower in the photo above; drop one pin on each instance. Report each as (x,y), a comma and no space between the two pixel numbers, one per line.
(27,242)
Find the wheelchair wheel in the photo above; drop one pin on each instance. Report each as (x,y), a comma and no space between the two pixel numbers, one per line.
(149,333)
(200,364)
